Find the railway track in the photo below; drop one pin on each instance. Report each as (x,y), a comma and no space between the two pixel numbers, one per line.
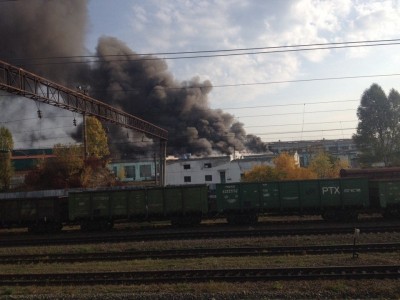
(191,253)
(188,235)
(231,275)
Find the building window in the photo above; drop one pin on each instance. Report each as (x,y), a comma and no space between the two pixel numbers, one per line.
(115,170)
(332,149)
(207,165)
(187,179)
(186,167)
(145,171)
(208,177)
(130,172)
(222,176)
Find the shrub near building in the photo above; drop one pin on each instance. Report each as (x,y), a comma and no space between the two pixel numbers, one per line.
(321,166)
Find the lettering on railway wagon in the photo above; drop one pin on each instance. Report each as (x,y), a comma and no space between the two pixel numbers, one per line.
(230,189)
(231,201)
(352,190)
(334,190)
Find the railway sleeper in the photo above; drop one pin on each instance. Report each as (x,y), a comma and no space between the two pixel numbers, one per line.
(96,225)
(45,226)
(244,218)
(392,213)
(347,215)
(186,220)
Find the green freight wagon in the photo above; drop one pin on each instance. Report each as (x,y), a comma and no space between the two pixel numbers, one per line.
(98,209)
(332,198)
(39,211)
(91,209)
(388,196)
(186,204)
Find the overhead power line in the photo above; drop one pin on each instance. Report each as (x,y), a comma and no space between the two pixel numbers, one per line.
(210,53)
(289,104)
(296,113)
(298,124)
(300,131)
(251,83)
(300,80)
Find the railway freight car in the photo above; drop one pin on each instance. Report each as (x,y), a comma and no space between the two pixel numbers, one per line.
(371,173)
(183,205)
(334,199)
(39,211)
(386,195)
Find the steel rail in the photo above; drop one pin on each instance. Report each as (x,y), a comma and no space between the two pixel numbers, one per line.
(193,253)
(190,235)
(220,275)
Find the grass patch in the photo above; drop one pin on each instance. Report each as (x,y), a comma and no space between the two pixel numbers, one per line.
(6,291)
(208,263)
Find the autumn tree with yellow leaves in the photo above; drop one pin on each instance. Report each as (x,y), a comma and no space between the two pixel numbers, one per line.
(97,142)
(6,168)
(285,169)
(322,165)
(69,169)
(261,173)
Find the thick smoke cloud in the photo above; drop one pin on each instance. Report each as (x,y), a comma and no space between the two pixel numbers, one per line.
(144,87)
(30,32)
(141,86)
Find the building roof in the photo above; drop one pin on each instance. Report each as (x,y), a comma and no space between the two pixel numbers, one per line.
(28,159)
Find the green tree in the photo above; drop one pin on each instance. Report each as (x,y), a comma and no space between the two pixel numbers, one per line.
(97,142)
(68,161)
(326,165)
(378,131)
(62,171)
(6,168)
(321,165)
(69,170)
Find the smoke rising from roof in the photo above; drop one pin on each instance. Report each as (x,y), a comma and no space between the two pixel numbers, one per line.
(141,86)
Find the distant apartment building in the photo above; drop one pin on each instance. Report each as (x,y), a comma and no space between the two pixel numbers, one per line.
(135,170)
(344,149)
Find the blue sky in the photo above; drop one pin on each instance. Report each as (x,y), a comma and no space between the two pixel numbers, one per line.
(155,26)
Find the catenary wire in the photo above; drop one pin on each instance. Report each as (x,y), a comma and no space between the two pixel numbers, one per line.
(272,49)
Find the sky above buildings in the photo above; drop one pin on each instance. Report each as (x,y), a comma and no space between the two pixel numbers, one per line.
(286,70)
(277,93)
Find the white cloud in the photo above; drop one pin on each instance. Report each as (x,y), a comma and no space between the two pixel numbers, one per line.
(189,25)
(139,22)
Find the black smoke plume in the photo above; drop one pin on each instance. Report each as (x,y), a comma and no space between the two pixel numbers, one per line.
(32,31)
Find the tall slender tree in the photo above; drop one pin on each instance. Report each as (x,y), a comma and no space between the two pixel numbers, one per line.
(96,138)
(378,130)
(6,168)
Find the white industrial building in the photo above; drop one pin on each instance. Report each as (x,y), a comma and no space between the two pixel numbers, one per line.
(220,169)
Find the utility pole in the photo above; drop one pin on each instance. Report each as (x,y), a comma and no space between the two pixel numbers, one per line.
(155,169)
(163,151)
(85,150)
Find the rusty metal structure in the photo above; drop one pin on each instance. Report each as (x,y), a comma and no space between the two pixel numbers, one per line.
(19,82)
